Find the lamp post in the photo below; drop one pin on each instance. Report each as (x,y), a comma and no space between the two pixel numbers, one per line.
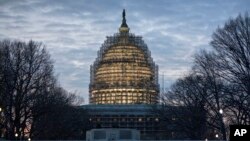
(222,124)
(16,135)
(1,123)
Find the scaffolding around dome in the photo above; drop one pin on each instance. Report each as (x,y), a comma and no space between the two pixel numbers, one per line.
(123,72)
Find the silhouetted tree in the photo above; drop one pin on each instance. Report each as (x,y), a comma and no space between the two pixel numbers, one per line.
(55,117)
(32,102)
(26,68)
(232,48)
(219,83)
(216,92)
(183,108)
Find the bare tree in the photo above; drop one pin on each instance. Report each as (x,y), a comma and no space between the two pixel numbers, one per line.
(232,49)
(32,103)
(55,116)
(183,108)
(219,83)
(26,69)
(216,95)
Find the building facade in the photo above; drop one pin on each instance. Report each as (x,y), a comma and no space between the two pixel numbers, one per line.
(131,116)
(124,84)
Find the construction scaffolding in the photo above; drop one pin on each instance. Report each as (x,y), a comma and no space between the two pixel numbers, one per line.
(123,72)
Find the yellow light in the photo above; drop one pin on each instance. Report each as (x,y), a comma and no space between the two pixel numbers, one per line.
(123,74)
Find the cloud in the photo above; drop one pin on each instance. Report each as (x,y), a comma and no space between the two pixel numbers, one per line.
(73,31)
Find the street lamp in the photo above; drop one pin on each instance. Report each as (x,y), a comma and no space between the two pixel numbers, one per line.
(222,126)
(206,139)
(217,136)
(1,135)
(16,135)
(221,111)
(29,139)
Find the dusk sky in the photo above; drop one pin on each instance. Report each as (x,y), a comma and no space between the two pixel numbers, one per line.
(73,31)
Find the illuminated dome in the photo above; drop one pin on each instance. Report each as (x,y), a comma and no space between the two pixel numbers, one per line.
(124,72)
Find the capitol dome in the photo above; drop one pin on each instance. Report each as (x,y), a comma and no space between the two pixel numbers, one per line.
(124,72)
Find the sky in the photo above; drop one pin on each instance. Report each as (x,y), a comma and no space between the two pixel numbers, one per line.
(73,31)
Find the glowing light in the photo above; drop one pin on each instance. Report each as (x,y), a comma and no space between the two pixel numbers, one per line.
(124,72)
(221,111)
(156,119)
